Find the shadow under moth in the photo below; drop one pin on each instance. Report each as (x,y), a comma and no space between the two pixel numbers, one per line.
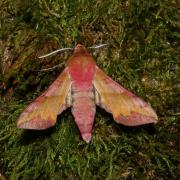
(83,85)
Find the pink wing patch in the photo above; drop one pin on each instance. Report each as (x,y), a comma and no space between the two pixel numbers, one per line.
(42,112)
(127,108)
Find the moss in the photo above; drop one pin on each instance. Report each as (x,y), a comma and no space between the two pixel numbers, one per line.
(142,55)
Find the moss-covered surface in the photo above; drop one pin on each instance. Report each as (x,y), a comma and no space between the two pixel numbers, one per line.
(143,39)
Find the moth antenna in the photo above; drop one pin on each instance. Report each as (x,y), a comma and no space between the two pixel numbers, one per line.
(98,46)
(54,52)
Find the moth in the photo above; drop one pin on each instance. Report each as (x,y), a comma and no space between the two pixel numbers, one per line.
(83,85)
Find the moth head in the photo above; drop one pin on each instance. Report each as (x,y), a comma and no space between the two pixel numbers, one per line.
(80,49)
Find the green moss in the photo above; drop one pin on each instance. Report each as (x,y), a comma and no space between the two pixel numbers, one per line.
(142,55)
